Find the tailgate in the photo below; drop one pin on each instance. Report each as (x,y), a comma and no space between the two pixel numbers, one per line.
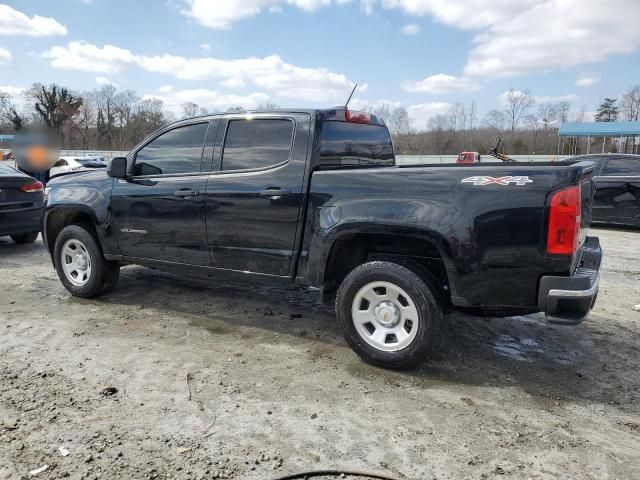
(588,192)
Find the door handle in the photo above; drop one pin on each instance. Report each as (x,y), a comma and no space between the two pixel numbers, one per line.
(186,192)
(274,192)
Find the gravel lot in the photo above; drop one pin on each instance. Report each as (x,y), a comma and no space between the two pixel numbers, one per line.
(220,380)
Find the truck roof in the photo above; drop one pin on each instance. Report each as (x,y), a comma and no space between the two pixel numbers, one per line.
(327,114)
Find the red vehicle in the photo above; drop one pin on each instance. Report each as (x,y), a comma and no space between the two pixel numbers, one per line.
(468,157)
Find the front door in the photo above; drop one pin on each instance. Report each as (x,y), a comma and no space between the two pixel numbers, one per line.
(158,213)
(254,200)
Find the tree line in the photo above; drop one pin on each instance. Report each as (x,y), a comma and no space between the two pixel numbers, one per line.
(108,119)
(527,126)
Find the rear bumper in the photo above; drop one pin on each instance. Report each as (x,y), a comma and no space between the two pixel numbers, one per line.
(568,300)
(20,221)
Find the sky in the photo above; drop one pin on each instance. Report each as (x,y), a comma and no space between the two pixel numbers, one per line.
(419,54)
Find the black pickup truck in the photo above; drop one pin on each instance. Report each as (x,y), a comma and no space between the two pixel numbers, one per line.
(315,197)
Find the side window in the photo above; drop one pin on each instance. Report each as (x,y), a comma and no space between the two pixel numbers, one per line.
(257,143)
(176,151)
(623,167)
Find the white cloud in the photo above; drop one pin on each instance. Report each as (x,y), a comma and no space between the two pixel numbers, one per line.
(587,79)
(5,56)
(205,47)
(105,81)
(555,34)
(514,37)
(14,22)
(525,36)
(571,97)
(13,91)
(222,15)
(233,83)
(420,114)
(209,99)
(503,99)
(269,73)
(411,29)
(464,14)
(441,83)
(90,58)
(165,88)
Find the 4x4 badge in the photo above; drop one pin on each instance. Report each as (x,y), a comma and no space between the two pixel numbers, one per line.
(480,181)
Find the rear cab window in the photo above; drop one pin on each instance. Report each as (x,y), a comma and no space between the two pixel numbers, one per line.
(252,144)
(346,144)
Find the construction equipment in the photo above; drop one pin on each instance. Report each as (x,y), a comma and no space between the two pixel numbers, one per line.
(493,151)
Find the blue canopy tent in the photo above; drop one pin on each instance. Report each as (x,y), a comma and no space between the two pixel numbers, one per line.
(6,138)
(605,130)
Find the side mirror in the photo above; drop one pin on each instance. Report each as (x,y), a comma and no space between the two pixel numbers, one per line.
(118,168)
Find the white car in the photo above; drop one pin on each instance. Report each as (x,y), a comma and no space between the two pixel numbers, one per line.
(72,164)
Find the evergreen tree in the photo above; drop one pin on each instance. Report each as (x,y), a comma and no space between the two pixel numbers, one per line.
(607,111)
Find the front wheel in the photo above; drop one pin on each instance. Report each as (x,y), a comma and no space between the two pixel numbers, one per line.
(390,315)
(80,264)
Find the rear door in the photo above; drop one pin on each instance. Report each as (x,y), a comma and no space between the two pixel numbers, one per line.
(159,211)
(617,196)
(254,200)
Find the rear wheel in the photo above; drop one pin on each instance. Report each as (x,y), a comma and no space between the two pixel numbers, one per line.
(25,237)
(80,264)
(390,315)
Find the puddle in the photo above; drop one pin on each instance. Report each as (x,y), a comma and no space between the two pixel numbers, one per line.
(517,349)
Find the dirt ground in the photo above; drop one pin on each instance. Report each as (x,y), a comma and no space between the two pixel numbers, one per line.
(235,381)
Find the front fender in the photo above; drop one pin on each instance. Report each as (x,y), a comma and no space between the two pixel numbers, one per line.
(77,197)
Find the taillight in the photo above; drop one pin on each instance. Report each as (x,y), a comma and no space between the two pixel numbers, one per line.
(32,187)
(564,221)
(357,117)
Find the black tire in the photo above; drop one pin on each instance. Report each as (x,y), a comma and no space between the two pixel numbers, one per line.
(428,304)
(25,237)
(440,328)
(104,273)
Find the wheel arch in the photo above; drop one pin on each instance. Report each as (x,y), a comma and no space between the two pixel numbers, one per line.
(339,251)
(56,218)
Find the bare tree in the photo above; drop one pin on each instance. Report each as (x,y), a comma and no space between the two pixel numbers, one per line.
(105,115)
(383,111)
(562,111)
(440,127)
(87,119)
(189,109)
(6,105)
(124,107)
(631,104)
(518,105)
(400,125)
(55,104)
(497,119)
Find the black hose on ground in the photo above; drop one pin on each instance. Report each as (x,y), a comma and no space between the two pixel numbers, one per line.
(335,473)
